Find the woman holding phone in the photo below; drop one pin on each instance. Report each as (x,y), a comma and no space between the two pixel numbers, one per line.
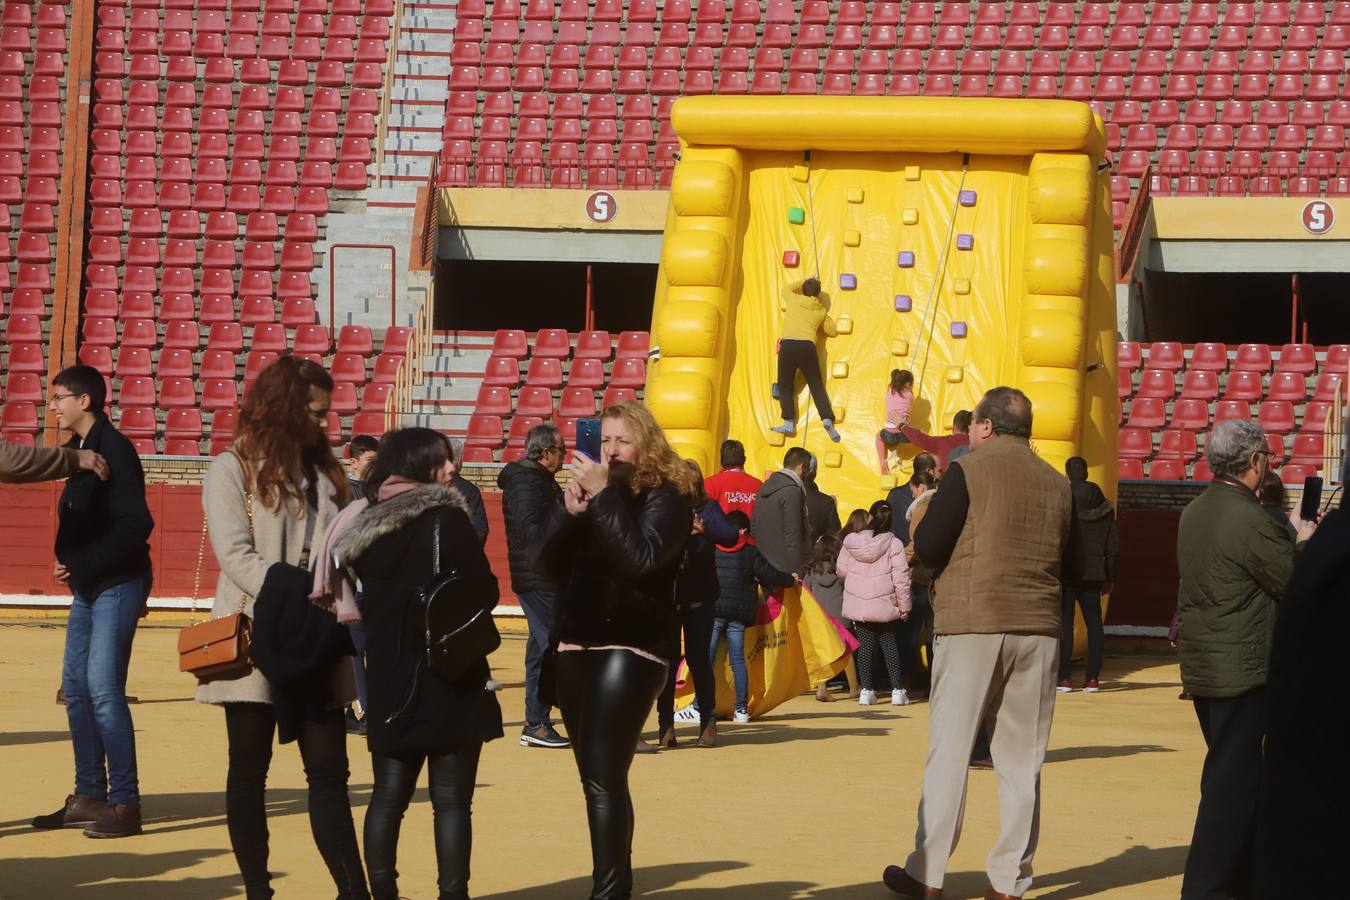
(616,548)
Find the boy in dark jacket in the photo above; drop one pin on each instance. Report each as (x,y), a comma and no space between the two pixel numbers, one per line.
(739,569)
(101,552)
(1093,574)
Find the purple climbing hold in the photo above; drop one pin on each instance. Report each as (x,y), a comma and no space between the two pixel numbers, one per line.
(903,303)
(848,282)
(958,329)
(967,198)
(965,241)
(906,260)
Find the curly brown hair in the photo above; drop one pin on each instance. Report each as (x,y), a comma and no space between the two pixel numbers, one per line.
(279,438)
(657,462)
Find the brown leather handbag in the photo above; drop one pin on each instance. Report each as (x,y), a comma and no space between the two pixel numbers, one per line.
(219,647)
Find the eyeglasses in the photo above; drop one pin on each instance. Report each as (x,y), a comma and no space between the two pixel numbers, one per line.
(57,398)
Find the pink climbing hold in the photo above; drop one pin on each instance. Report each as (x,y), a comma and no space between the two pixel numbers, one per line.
(791,259)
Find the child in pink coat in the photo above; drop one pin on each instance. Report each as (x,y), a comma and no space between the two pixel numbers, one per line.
(899,398)
(876,595)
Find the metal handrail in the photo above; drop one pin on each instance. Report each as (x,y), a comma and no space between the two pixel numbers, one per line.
(391,61)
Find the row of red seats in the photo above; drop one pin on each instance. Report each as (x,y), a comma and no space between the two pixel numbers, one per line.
(1275,416)
(1171,469)
(957,12)
(1213,356)
(577,401)
(504,371)
(490,431)
(556,343)
(1237,186)
(1200,384)
(219,69)
(1180,443)
(1193,413)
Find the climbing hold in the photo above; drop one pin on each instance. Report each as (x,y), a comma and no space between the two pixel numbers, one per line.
(848,282)
(852,238)
(906,259)
(791,259)
(958,329)
(909,216)
(913,173)
(965,242)
(840,408)
(839,370)
(855,195)
(834,459)
(967,198)
(777,438)
(899,347)
(954,375)
(796,215)
(961,286)
(844,324)
(801,174)
(903,303)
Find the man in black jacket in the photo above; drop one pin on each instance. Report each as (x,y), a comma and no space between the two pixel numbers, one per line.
(530,493)
(101,552)
(822,510)
(1095,571)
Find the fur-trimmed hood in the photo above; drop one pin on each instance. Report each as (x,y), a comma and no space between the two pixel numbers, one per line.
(388,516)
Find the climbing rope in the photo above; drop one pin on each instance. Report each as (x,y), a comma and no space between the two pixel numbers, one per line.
(927,327)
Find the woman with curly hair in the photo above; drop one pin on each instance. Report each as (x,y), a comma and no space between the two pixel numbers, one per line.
(266,501)
(616,547)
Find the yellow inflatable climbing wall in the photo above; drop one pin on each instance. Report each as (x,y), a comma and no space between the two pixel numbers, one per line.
(967,240)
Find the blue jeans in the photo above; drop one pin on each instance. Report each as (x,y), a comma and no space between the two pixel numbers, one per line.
(735,632)
(538,608)
(94,680)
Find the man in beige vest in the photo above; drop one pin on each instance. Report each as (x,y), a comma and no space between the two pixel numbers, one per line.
(998,529)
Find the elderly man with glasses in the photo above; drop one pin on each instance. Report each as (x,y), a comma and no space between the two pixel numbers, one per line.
(1235,562)
(530,491)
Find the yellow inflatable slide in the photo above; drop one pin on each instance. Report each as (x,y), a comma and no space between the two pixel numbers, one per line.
(967,240)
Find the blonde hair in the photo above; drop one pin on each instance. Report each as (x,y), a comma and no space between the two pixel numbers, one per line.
(657,462)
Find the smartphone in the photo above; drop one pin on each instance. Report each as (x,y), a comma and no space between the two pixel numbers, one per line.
(1310,508)
(588,438)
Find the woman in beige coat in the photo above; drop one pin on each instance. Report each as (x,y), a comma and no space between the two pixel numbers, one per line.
(268,500)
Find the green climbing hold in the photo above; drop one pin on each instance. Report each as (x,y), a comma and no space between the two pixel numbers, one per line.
(796,215)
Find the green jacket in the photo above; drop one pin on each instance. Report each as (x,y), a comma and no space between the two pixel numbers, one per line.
(1235,562)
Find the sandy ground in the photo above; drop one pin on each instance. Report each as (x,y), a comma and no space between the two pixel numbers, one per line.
(810,802)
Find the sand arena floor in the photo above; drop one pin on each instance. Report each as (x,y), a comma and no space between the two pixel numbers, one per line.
(810,802)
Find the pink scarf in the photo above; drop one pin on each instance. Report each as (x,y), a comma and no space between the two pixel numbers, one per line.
(333,585)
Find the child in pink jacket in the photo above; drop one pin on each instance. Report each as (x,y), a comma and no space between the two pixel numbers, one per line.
(899,398)
(876,594)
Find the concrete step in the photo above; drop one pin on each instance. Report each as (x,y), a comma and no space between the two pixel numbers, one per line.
(406,166)
(416,117)
(425,43)
(456,426)
(435,19)
(418,91)
(458,361)
(392,194)
(417,142)
(421,66)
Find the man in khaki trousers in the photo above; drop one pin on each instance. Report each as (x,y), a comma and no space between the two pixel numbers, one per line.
(998,529)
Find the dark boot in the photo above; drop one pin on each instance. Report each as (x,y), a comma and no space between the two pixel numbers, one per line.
(667,739)
(118,820)
(80,810)
(708,736)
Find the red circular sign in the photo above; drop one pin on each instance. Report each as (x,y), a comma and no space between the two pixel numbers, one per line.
(1319,216)
(601,207)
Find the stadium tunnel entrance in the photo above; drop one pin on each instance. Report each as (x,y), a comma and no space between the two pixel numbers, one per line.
(484,295)
(1249,307)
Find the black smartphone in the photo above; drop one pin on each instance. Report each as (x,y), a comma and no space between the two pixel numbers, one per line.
(1311,506)
(588,438)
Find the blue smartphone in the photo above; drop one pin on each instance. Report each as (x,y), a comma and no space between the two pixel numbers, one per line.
(588,438)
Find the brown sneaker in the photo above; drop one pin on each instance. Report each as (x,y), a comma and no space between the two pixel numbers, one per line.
(118,820)
(80,810)
(708,736)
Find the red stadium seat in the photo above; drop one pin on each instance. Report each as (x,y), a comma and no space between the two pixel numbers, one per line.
(1300,358)
(493,400)
(1200,384)
(1276,416)
(1190,414)
(1134,443)
(1252,358)
(1157,383)
(1147,413)
(1177,443)
(577,402)
(615,395)
(1168,355)
(633,345)
(1297,474)
(544,372)
(1128,356)
(629,373)
(535,401)
(1129,469)
(1228,409)
(1243,385)
(1328,386)
(511,343)
(1210,357)
(594,345)
(1289,386)
(1167,470)
(483,431)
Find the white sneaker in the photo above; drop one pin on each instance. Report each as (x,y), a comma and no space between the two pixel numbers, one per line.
(741,717)
(867,698)
(688,714)
(899,697)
